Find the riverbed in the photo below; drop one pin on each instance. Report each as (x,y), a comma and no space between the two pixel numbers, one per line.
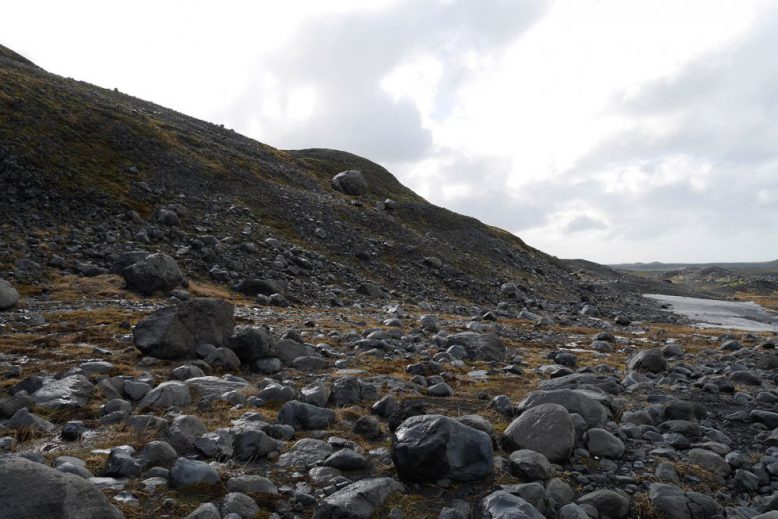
(713,313)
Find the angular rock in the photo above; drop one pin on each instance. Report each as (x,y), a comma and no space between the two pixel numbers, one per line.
(165,395)
(350,182)
(305,453)
(359,500)
(71,392)
(173,332)
(672,502)
(651,361)
(251,344)
(504,505)
(305,416)
(479,346)
(428,448)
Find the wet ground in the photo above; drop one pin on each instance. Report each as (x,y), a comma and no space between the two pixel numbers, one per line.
(712,313)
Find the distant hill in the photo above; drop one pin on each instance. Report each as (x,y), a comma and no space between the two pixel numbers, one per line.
(765,266)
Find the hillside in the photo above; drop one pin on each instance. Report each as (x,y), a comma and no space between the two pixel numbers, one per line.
(87,172)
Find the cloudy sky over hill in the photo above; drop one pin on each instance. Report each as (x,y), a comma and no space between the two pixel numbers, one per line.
(614,130)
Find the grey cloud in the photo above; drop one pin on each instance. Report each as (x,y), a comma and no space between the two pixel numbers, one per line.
(584,223)
(345,57)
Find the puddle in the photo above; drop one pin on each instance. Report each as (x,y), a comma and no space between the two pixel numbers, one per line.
(713,313)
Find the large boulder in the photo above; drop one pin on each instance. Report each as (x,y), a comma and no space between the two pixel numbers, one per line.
(545,428)
(8,295)
(479,346)
(429,448)
(575,401)
(29,489)
(351,182)
(358,500)
(154,273)
(173,332)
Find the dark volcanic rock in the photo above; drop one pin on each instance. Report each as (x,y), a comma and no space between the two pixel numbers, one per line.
(8,295)
(359,500)
(29,489)
(479,346)
(428,448)
(351,182)
(173,332)
(154,273)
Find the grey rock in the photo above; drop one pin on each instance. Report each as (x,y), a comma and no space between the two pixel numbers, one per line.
(251,443)
(174,331)
(709,461)
(183,431)
(359,500)
(223,358)
(600,442)
(157,453)
(530,465)
(348,391)
(205,511)
(29,489)
(154,273)
(305,453)
(479,346)
(187,472)
(165,395)
(240,504)
(651,361)
(71,392)
(251,344)
(9,297)
(428,448)
(672,502)
(346,459)
(24,419)
(217,444)
(504,505)
(608,503)
(214,387)
(122,464)
(350,182)
(251,484)
(316,393)
(305,416)
(575,401)
(535,426)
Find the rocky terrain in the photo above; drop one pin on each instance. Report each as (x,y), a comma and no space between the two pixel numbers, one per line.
(194,324)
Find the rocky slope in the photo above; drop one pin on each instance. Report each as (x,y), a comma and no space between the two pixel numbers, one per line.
(88,173)
(193,324)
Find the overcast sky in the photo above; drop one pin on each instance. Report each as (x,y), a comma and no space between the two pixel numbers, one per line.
(611,130)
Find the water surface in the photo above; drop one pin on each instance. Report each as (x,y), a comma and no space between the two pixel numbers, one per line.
(713,313)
